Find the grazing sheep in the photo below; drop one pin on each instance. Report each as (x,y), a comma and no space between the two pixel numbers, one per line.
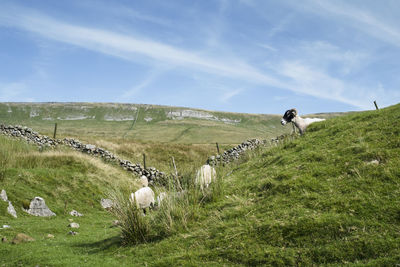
(144,198)
(301,124)
(205,176)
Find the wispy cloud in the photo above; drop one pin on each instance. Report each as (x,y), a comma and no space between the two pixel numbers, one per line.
(319,84)
(360,19)
(296,75)
(280,26)
(230,94)
(131,47)
(14,91)
(136,89)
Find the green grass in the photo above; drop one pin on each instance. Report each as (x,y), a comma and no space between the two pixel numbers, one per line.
(314,200)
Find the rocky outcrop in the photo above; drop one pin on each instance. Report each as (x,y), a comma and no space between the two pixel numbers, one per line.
(39,208)
(152,174)
(188,113)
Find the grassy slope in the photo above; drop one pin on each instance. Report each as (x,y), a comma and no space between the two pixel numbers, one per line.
(314,200)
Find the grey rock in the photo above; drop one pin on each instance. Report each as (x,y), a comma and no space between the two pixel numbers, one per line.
(11,210)
(106,203)
(3,195)
(38,207)
(74,225)
(72,233)
(75,213)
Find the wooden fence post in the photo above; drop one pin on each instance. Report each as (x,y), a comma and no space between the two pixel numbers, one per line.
(376,105)
(176,174)
(217,148)
(144,161)
(55,131)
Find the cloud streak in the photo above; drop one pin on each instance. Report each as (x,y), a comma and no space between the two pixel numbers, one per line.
(291,76)
(360,19)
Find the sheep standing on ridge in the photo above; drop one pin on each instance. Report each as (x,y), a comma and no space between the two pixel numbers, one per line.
(301,124)
(205,176)
(144,198)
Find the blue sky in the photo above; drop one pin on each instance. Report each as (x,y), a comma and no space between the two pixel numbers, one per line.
(253,56)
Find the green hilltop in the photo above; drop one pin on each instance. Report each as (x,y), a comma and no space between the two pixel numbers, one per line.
(330,197)
(142,123)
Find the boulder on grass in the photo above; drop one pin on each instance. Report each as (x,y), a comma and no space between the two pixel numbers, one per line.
(106,203)
(11,210)
(3,195)
(39,208)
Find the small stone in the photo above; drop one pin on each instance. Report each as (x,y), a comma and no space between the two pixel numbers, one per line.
(70,220)
(50,236)
(106,203)
(115,223)
(75,213)
(5,226)
(74,225)
(20,238)
(373,162)
(72,233)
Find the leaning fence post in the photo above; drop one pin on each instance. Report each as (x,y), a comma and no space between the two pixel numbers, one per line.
(176,174)
(376,105)
(55,131)
(217,148)
(144,161)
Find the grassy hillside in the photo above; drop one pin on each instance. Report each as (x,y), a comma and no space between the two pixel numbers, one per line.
(141,123)
(331,197)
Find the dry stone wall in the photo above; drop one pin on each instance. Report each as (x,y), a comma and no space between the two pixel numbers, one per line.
(152,174)
(236,152)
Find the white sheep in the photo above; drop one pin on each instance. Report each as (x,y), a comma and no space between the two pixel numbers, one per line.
(144,198)
(301,124)
(205,176)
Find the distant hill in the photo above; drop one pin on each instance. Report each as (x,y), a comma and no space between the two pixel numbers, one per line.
(142,122)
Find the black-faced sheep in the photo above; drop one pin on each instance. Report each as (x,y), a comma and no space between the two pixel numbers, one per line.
(301,124)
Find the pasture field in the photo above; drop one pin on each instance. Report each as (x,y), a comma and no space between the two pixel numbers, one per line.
(331,197)
(141,123)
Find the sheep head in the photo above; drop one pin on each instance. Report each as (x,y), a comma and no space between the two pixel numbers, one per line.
(288,116)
